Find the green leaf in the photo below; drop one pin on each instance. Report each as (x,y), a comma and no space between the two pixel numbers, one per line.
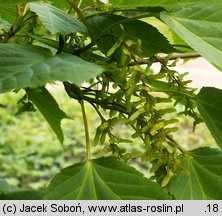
(144,3)
(147,3)
(8,9)
(209,103)
(4,25)
(23,66)
(23,195)
(8,12)
(171,36)
(46,41)
(60,4)
(56,20)
(152,40)
(49,108)
(205,176)
(103,178)
(200,26)
(6,187)
(4,2)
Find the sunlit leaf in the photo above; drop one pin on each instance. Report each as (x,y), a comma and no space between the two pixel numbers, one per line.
(200,26)
(104,178)
(205,176)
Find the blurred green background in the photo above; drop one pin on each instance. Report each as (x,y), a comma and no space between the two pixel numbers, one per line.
(30,154)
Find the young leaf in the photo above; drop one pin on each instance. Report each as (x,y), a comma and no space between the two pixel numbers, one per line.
(103,178)
(209,103)
(200,26)
(23,66)
(152,40)
(56,20)
(49,108)
(205,176)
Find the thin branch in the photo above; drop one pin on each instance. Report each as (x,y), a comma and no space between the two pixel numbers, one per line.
(98,112)
(83,19)
(162,58)
(80,2)
(180,55)
(175,144)
(75,92)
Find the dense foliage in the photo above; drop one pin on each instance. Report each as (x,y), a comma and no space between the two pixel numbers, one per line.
(113,47)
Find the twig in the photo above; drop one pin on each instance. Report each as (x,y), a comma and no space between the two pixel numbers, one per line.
(181,55)
(162,58)
(83,19)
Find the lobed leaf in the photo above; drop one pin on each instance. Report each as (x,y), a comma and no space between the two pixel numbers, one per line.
(205,176)
(23,66)
(209,103)
(200,26)
(56,20)
(103,178)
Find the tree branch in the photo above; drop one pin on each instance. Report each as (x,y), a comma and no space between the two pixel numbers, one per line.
(162,58)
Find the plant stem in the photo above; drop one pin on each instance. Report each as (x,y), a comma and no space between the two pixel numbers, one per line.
(80,2)
(175,144)
(181,55)
(88,147)
(83,19)
(98,112)
(162,58)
